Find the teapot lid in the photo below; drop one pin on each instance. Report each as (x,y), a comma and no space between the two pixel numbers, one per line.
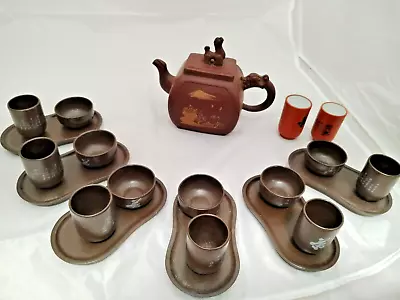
(212,64)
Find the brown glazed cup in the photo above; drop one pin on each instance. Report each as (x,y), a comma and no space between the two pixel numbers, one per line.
(324,158)
(207,240)
(93,212)
(378,177)
(317,225)
(42,162)
(95,148)
(132,186)
(279,186)
(200,194)
(74,112)
(27,114)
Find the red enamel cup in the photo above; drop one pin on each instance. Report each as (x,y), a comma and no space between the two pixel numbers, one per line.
(294,115)
(329,119)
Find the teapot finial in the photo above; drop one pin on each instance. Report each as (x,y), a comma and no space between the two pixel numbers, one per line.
(218,46)
(215,58)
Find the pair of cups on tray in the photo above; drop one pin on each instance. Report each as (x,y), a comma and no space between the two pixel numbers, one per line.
(207,238)
(93,207)
(320,221)
(28,117)
(295,113)
(377,178)
(42,160)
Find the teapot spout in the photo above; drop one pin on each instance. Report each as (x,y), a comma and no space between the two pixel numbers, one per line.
(166,79)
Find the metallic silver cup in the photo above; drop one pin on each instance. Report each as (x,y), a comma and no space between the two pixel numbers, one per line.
(27,115)
(378,177)
(42,162)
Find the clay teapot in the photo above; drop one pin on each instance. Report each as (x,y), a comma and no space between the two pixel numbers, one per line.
(207,93)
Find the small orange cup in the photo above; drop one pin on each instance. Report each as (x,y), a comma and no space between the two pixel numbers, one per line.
(294,115)
(329,119)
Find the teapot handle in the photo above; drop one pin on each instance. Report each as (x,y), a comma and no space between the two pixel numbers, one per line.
(255,80)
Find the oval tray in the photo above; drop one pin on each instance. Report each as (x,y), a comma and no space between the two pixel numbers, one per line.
(75,176)
(279,224)
(12,141)
(340,187)
(71,248)
(175,261)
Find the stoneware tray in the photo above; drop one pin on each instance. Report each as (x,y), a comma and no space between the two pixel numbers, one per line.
(75,176)
(279,224)
(70,247)
(175,262)
(12,141)
(340,187)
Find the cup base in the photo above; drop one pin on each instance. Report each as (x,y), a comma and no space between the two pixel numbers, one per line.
(202,269)
(103,239)
(306,251)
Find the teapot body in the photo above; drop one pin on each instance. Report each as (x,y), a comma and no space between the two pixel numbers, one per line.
(204,100)
(207,93)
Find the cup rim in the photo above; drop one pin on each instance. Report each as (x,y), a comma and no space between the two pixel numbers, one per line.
(319,226)
(322,163)
(34,139)
(298,95)
(228,238)
(387,157)
(72,211)
(91,131)
(25,109)
(181,200)
(281,196)
(336,103)
(130,166)
(62,101)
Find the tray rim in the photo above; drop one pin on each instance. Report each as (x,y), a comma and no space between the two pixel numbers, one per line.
(60,143)
(347,204)
(62,199)
(234,247)
(115,247)
(266,228)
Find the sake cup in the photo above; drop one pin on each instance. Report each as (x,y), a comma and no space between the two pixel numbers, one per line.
(93,212)
(378,177)
(317,226)
(206,243)
(280,186)
(27,114)
(42,162)
(200,194)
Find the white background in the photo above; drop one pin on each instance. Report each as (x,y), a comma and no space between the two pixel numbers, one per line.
(344,51)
